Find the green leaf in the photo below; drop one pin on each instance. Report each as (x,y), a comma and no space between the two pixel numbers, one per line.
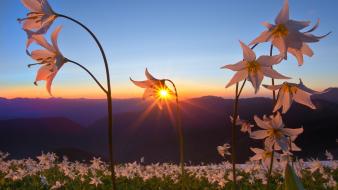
(292,182)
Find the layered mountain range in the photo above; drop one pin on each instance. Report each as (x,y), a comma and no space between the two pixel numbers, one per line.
(77,128)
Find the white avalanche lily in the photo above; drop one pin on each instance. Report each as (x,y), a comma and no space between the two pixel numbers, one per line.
(286,36)
(264,156)
(40,17)
(254,69)
(223,150)
(289,92)
(153,88)
(50,58)
(274,133)
(245,125)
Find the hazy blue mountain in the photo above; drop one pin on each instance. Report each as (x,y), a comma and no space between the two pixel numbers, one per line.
(206,125)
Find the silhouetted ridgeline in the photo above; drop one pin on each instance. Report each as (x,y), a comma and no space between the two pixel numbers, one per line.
(205,121)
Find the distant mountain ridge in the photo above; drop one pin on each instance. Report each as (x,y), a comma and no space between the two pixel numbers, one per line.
(206,125)
(87,111)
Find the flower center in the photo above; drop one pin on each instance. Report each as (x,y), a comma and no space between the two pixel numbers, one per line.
(290,88)
(280,30)
(275,133)
(253,66)
(267,154)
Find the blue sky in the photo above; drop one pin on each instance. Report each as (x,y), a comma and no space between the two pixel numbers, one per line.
(184,40)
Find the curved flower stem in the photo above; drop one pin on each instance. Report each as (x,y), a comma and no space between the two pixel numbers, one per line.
(240,90)
(94,78)
(233,129)
(109,99)
(180,132)
(273,151)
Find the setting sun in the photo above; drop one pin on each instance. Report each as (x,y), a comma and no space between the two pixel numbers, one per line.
(163,93)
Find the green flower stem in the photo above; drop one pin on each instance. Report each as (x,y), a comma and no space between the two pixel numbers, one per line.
(233,129)
(272,79)
(233,139)
(273,151)
(109,99)
(94,78)
(270,169)
(180,132)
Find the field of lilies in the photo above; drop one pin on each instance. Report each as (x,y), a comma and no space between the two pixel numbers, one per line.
(273,165)
(50,172)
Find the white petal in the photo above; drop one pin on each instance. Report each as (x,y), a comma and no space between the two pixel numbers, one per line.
(268,61)
(297,25)
(40,55)
(263,37)
(40,39)
(239,76)
(256,79)
(279,42)
(314,27)
(32,5)
(277,120)
(269,72)
(149,76)
(305,88)
(273,87)
(49,83)
(235,67)
(294,147)
(306,50)
(248,54)
(292,132)
(303,97)
(287,101)
(142,84)
(298,55)
(54,37)
(268,25)
(148,92)
(283,15)
(261,123)
(260,134)
(280,100)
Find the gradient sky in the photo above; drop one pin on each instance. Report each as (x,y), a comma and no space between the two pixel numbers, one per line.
(184,40)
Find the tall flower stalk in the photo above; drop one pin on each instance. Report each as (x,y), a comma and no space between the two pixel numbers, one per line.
(273,150)
(179,128)
(37,23)
(159,91)
(108,95)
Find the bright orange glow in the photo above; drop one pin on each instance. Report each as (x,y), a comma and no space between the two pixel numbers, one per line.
(163,93)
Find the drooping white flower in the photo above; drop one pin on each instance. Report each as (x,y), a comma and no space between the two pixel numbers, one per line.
(285,34)
(328,155)
(57,185)
(224,149)
(40,17)
(254,69)
(154,88)
(264,155)
(245,125)
(274,132)
(50,58)
(289,92)
(95,181)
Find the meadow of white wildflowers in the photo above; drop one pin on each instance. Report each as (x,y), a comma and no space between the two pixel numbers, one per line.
(50,172)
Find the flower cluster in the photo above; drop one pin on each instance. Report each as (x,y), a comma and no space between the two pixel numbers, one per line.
(49,172)
(287,36)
